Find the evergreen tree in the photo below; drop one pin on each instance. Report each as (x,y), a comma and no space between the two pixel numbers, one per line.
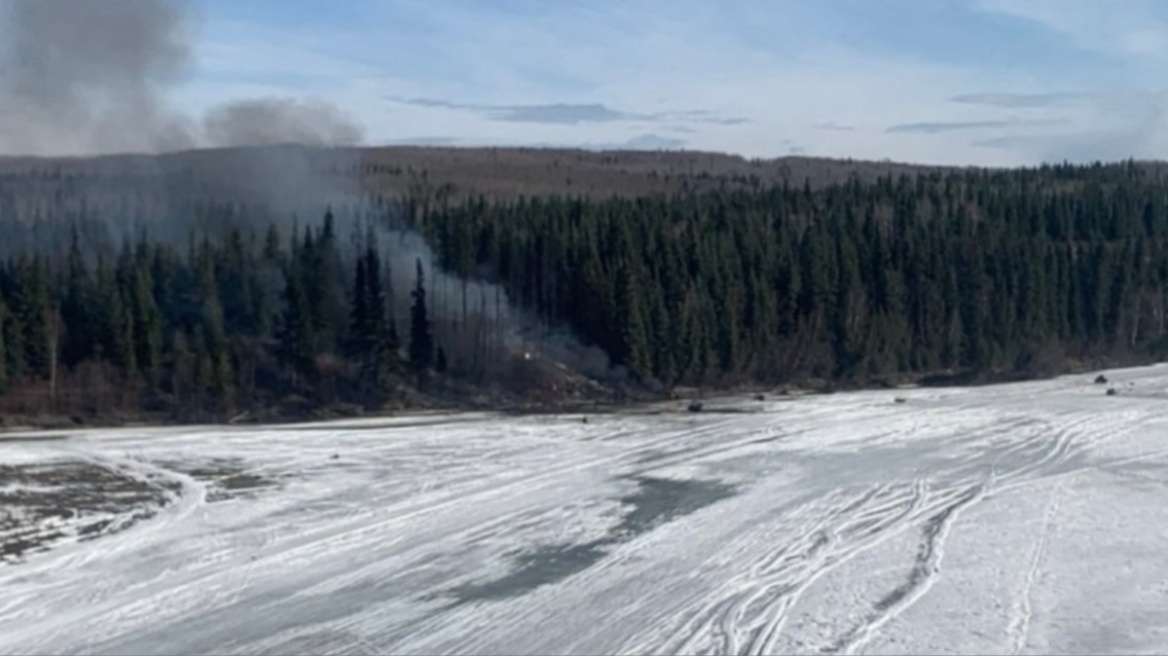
(296,328)
(421,348)
(3,348)
(729,280)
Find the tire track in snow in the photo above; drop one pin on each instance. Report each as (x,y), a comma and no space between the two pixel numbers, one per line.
(752,620)
(890,517)
(101,591)
(926,569)
(865,530)
(1072,438)
(778,558)
(859,533)
(183,588)
(716,624)
(1022,612)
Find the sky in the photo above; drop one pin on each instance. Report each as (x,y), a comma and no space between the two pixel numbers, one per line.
(967,82)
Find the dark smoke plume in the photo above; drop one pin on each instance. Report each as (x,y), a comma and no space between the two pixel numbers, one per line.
(84,77)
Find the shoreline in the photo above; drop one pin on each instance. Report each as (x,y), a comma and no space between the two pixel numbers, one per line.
(56,427)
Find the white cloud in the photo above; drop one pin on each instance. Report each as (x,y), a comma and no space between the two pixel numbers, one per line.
(638,64)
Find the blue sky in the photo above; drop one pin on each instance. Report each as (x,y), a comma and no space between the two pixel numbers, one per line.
(997,82)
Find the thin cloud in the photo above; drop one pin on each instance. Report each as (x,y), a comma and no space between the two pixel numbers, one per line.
(1079,148)
(595,76)
(562,113)
(959,126)
(639,142)
(567,113)
(1024,100)
(834,127)
(427,141)
(654,142)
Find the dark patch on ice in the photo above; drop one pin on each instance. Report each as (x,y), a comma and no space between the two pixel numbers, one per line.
(656,501)
(381,426)
(661,500)
(45,503)
(706,410)
(545,565)
(225,478)
(32,437)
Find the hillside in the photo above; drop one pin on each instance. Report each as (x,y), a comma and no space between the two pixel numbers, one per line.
(212,284)
(500,173)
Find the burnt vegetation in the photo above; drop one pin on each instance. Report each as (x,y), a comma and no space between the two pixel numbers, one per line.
(200,285)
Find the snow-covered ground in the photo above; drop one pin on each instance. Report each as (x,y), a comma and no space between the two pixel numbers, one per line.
(1012,519)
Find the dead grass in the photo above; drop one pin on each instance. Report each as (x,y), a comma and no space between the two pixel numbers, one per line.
(43,504)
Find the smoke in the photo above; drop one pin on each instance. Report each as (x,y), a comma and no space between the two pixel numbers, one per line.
(88,77)
(272,121)
(85,77)
(93,77)
(467,314)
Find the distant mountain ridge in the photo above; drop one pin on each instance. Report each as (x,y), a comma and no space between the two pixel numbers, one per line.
(494,172)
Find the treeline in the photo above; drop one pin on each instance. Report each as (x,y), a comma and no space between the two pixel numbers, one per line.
(229,324)
(1009,271)
(980,271)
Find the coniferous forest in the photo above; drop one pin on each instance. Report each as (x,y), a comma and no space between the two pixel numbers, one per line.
(963,273)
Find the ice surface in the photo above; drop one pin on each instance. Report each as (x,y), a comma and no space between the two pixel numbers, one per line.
(1026,518)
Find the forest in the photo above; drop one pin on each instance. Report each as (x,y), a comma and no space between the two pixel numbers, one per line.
(417,297)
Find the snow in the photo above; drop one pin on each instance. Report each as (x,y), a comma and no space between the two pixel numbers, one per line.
(1024,518)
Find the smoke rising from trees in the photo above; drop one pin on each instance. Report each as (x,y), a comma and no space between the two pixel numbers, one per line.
(89,77)
(461,308)
(84,77)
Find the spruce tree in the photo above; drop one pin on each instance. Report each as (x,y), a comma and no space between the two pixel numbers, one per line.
(295,332)
(3,348)
(421,348)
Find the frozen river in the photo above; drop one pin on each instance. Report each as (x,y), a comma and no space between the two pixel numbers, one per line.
(1011,519)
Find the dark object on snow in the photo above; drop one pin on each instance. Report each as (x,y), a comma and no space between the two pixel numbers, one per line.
(335,456)
(1101,379)
(901,399)
(760,397)
(584,420)
(1112,392)
(696,406)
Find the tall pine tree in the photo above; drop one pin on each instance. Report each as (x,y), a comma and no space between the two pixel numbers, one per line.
(421,348)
